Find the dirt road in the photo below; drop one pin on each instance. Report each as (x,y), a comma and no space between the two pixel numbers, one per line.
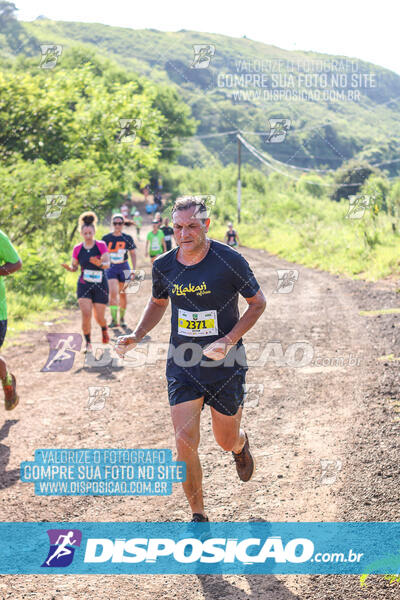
(338,408)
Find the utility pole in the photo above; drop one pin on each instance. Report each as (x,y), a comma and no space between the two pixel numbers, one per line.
(239,183)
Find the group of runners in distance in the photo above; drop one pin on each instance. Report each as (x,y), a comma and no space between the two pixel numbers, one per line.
(203,279)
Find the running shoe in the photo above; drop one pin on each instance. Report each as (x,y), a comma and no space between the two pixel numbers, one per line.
(113,324)
(10,394)
(199,527)
(122,322)
(106,337)
(89,348)
(245,463)
(199,518)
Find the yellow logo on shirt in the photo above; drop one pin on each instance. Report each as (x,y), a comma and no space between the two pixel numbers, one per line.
(199,290)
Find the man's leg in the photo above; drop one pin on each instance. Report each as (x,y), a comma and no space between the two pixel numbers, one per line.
(7,378)
(3,364)
(227,431)
(186,421)
(3,368)
(230,436)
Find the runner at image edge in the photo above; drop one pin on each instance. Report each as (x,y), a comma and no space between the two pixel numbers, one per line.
(10,262)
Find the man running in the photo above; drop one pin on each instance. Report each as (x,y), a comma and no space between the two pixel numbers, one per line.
(168,233)
(119,245)
(10,262)
(155,242)
(231,237)
(203,278)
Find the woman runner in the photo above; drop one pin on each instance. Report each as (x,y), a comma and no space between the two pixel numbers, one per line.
(119,244)
(231,237)
(92,290)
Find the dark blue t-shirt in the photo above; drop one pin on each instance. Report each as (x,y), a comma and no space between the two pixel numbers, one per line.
(204,299)
(118,246)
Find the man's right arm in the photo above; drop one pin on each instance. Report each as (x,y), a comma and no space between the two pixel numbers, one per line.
(152,315)
(9,255)
(9,268)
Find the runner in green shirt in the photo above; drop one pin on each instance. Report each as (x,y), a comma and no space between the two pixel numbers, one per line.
(137,220)
(9,263)
(156,241)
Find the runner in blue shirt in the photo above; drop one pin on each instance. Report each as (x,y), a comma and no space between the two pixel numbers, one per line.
(119,245)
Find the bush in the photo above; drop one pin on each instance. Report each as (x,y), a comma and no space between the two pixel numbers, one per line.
(41,273)
(311,184)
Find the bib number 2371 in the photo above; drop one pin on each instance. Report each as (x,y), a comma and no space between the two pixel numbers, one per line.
(195,324)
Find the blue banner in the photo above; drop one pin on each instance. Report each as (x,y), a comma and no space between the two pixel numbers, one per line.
(200,548)
(103,472)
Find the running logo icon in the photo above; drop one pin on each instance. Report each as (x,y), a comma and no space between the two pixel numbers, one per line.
(131,286)
(128,131)
(97,397)
(54,205)
(63,347)
(357,206)
(286,280)
(278,130)
(203,54)
(252,394)
(207,201)
(63,543)
(50,55)
(330,469)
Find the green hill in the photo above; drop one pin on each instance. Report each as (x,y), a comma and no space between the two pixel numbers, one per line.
(323,132)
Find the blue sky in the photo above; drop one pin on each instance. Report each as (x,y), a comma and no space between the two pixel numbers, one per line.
(368,31)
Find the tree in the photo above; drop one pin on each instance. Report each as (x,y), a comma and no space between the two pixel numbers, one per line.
(7,10)
(350,178)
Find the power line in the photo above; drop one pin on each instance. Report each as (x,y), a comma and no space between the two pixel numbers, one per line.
(265,161)
(287,165)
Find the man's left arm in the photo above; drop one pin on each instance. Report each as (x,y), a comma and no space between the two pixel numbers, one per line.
(256,307)
(246,284)
(219,349)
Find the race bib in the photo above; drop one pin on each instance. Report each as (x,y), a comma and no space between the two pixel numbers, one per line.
(117,257)
(167,238)
(196,324)
(92,276)
(155,244)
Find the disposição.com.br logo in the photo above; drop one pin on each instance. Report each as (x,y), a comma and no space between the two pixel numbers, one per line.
(63,543)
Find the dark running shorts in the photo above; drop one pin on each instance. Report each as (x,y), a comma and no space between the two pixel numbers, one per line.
(226,396)
(3,331)
(118,272)
(96,292)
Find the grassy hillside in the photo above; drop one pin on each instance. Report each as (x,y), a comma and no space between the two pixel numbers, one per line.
(69,147)
(322,133)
